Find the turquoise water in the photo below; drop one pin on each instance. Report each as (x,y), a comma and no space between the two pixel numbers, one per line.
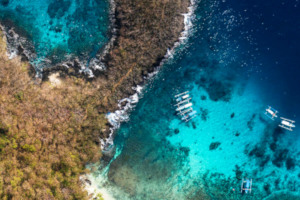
(56,31)
(160,157)
(241,56)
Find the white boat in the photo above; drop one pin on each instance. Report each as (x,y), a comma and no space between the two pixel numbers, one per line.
(189,115)
(184,106)
(190,118)
(183,101)
(181,94)
(271,113)
(185,111)
(246,185)
(287,124)
(183,97)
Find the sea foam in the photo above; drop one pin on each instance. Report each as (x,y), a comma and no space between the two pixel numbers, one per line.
(122,114)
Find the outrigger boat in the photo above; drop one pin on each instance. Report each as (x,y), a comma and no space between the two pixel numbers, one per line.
(189,116)
(188,105)
(271,113)
(287,124)
(184,106)
(246,186)
(183,101)
(182,96)
(185,111)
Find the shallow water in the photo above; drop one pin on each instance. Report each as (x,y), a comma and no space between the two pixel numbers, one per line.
(231,78)
(59,30)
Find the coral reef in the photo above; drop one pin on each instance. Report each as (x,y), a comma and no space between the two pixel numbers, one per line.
(214,145)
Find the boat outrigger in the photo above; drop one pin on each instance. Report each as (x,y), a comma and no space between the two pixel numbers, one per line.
(284,123)
(182,96)
(271,113)
(184,106)
(246,186)
(287,124)
(180,108)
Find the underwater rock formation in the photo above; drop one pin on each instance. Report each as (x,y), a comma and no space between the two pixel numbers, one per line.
(57,9)
(218,91)
(214,145)
(283,195)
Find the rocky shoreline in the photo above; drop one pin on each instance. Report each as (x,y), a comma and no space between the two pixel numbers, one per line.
(125,105)
(145,32)
(126,87)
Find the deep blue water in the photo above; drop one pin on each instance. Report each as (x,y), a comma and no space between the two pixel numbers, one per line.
(241,57)
(275,30)
(56,30)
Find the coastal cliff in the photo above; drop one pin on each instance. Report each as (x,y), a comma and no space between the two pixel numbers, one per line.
(50,129)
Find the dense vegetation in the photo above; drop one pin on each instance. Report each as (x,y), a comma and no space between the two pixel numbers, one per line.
(48,131)
(47,134)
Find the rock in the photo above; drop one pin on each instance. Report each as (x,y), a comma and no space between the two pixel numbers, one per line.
(214,145)
(257,151)
(176,131)
(108,153)
(88,181)
(31,71)
(238,173)
(218,91)
(204,114)
(290,163)
(123,104)
(264,161)
(194,125)
(273,146)
(186,150)
(267,188)
(280,157)
(277,133)
(250,123)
